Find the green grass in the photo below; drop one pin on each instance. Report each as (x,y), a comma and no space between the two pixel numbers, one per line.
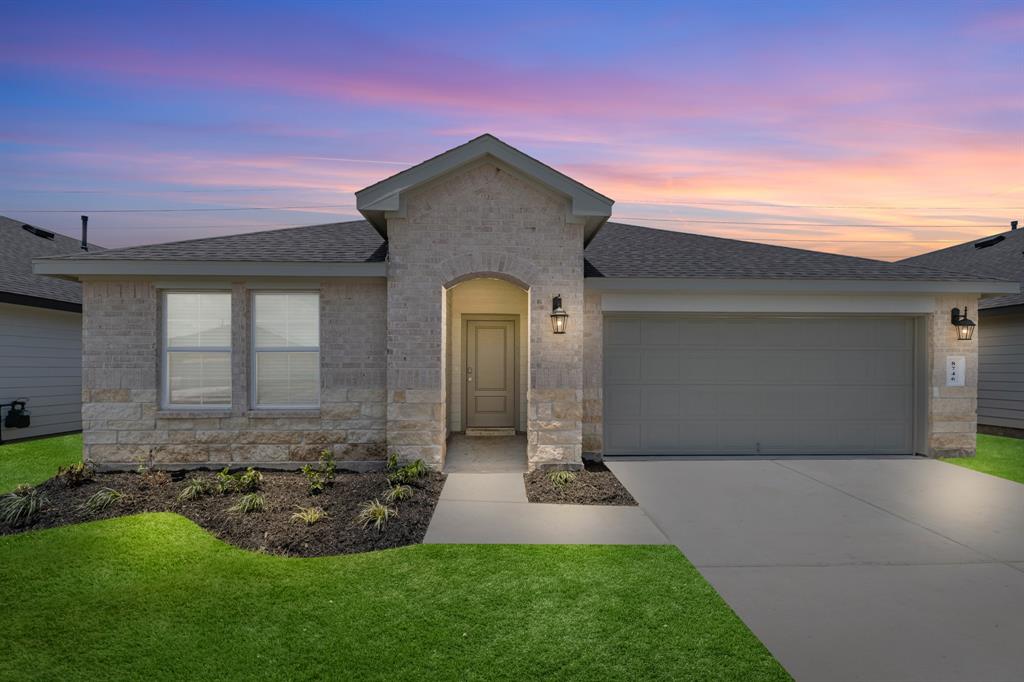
(996,455)
(155,597)
(34,461)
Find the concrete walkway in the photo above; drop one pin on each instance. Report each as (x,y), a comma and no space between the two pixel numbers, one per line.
(486,454)
(492,509)
(855,569)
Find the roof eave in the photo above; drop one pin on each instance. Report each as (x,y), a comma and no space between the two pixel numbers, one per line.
(75,269)
(805,286)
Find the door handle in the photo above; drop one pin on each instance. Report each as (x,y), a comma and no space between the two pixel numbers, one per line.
(469,374)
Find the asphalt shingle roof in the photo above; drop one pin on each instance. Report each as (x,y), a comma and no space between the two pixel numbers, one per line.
(621,250)
(1004,259)
(618,250)
(18,247)
(350,242)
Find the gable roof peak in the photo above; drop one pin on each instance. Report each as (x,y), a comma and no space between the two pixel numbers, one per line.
(385,196)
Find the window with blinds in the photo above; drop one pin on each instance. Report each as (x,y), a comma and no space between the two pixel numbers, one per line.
(286,350)
(197,349)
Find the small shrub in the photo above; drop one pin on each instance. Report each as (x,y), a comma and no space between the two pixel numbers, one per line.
(562,477)
(409,473)
(247,481)
(151,476)
(397,493)
(321,476)
(21,506)
(250,481)
(75,475)
(226,482)
(392,462)
(375,514)
(103,499)
(309,515)
(248,503)
(193,489)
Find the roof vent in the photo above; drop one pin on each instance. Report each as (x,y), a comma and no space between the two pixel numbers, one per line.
(45,234)
(1013,224)
(985,243)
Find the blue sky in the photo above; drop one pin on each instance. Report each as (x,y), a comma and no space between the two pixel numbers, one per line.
(877,129)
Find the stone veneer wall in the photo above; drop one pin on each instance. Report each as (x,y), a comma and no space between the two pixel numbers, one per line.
(484,220)
(122,419)
(593,370)
(952,411)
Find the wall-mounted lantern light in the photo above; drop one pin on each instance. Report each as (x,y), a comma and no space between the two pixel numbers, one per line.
(964,325)
(559,318)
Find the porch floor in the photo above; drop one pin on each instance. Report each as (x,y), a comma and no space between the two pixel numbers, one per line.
(486,454)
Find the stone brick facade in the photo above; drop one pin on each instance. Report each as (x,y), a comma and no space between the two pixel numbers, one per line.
(484,220)
(952,411)
(593,370)
(123,422)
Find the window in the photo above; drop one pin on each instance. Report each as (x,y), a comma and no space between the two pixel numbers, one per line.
(197,349)
(286,349)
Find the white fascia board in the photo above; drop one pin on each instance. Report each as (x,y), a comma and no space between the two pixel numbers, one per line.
(72,269)
(766,303)
(805,286)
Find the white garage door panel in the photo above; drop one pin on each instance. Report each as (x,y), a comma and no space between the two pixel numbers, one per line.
(691,385)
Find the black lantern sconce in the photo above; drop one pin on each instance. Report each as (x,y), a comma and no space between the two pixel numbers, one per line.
(964,325)
(559,318)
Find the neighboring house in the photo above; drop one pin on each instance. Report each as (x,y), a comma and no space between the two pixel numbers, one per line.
(1001,335)
(40,333)
(437,313)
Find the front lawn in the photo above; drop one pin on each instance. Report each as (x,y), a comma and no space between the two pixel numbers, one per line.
(34,461)
(996,455)
(153,596)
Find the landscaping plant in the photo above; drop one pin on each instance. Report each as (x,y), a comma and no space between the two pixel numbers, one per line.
(375,514)
(103,499)
(321,476)
(75,475)
(309,515)
(247,481)
(397,493)
(21,506)
(409,473)
(562,477)
(248,503)
(150,475)
(193,489)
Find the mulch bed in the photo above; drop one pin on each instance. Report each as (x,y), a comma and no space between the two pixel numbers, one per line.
(271,530)
(596,484)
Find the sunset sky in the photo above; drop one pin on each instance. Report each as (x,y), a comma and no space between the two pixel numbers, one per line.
(880,130)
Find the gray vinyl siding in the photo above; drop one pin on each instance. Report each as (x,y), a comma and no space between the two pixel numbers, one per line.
(41,361)
(1001,368)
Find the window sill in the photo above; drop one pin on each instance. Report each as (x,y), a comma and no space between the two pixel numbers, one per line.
(192,414)
(283,413)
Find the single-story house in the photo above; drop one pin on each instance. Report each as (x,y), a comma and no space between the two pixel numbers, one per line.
(1001,341)
(487,291)
(40,334)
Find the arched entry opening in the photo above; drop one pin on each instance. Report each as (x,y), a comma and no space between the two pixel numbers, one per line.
(487,332)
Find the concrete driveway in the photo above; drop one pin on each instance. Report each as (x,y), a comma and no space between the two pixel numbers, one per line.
(854,569)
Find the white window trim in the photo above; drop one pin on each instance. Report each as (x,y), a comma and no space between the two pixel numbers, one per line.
(254,351)
(165,370)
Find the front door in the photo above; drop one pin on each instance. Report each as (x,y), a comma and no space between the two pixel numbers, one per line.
(490,373)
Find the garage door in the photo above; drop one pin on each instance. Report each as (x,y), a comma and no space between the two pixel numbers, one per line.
(768,385)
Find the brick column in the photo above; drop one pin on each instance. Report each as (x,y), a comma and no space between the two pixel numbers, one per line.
(952,411)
